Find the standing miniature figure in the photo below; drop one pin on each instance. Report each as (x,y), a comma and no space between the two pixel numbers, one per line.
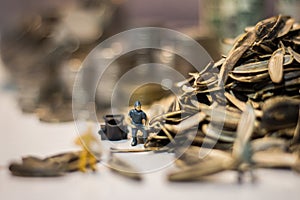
(138,120)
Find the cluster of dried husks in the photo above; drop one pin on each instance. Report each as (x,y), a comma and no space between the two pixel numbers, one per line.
(243,109)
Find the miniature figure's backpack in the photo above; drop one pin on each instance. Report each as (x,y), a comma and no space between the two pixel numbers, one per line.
(114,128)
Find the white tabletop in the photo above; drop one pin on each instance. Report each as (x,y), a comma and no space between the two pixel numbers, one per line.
(23,134)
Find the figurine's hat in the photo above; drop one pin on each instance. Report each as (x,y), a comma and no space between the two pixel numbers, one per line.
(137,103)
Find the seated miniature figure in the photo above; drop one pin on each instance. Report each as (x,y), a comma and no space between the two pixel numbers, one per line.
(138,121)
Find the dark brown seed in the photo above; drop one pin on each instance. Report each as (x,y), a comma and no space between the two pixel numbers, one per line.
(279,113)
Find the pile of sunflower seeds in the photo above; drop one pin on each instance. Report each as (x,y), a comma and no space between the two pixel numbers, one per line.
(243,109)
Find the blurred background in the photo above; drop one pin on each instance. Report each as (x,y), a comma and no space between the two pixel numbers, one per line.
(44,42)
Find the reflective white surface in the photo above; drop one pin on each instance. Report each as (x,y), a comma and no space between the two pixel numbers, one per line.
(23,134)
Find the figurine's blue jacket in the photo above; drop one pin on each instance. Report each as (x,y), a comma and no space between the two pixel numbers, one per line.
(137,116)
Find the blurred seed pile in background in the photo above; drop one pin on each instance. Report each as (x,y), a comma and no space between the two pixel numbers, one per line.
(44,47)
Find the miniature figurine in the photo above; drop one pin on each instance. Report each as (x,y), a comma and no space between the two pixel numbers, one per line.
(91,147)
(138,120)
